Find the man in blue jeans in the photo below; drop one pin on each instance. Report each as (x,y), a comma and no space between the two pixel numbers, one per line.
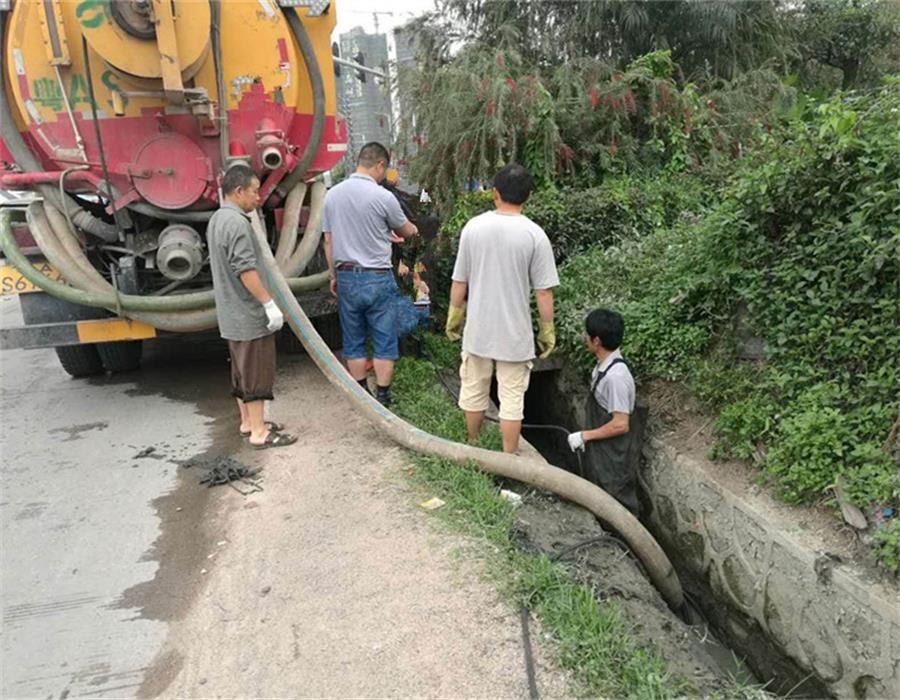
(360,222)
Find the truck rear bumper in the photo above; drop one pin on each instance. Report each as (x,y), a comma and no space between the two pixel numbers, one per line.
(51,335)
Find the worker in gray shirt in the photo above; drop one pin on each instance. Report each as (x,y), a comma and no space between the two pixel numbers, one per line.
(248,317)
(360,221)
(503,255)
(610,442)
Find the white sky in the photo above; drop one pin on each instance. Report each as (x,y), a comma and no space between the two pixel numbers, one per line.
(358,13)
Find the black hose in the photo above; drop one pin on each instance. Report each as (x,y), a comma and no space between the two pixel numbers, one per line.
(187,217)
(215,18)
(533,692)
(26,160)
(107,184)
(318,95)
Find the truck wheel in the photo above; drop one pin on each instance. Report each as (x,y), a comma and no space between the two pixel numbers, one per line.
(80,360)
(123,356)
(328,326)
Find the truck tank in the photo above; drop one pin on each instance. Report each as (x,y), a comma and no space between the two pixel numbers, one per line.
(121,116)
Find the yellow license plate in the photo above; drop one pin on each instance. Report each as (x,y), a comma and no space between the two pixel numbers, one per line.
(13,282)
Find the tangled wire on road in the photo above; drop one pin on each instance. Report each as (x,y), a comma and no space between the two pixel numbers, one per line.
(225,470)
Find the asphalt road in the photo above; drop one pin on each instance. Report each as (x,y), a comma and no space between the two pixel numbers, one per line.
(123,577)
(92,534)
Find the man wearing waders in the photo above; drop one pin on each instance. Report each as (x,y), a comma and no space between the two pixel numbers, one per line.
(610,442)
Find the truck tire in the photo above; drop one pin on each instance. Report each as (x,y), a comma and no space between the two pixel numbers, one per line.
(327,326)
(122,356)
(76,360)
(80,360)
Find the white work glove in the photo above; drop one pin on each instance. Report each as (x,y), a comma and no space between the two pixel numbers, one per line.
(276,318)
(576,441)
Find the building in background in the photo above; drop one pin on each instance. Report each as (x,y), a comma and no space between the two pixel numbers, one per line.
(366,104)
(406,46)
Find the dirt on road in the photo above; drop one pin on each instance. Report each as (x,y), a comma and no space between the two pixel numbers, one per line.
(329,582)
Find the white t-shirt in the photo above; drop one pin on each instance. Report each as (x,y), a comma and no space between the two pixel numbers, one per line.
(615,392)
(502,257)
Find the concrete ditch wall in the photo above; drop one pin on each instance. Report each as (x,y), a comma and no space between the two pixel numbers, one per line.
(793,612)
(821,615)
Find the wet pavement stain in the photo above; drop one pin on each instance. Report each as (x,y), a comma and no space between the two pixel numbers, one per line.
(74,431)
(187,514)
(160,674)
(31,510)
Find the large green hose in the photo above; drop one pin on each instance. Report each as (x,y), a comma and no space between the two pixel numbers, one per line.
(312,235)
(287,237)
(527,470)
(184,312)
(57,242)
(111,300)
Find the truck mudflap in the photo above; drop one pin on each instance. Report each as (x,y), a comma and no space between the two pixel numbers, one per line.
(51,335)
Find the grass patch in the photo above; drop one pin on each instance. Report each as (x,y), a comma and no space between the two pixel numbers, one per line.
(591,638)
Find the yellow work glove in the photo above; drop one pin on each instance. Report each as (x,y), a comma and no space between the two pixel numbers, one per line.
(455,316)
(546,338)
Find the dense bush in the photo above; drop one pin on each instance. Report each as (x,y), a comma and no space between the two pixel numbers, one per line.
(804,249)
(618,211)
(798,250)
(578,123)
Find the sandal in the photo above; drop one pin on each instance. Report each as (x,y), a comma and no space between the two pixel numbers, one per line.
(274,439)
(270,424)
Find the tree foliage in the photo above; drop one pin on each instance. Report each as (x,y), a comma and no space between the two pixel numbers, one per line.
(578,90)
(803,245)
(579,121)
(718,38)
(717,183)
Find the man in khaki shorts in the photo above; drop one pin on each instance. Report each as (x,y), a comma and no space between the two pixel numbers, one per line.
(502,256)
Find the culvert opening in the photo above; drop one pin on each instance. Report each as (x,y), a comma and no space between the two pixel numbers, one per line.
(739,647)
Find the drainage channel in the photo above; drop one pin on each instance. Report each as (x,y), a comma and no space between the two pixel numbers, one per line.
(700,644)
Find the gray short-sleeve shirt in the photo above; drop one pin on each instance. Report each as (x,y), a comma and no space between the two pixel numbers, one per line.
(615,392)
(360,216)
(241,316)
(502,257)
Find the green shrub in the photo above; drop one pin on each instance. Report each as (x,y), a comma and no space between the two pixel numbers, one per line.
(810,447)
(744,425)
(802,250)
(887,545)
(799,247)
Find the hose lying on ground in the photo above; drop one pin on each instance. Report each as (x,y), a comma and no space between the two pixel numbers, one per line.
(527,470)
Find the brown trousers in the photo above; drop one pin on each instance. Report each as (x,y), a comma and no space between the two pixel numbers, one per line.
(252,368)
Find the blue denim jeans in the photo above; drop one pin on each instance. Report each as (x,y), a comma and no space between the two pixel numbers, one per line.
(365,307)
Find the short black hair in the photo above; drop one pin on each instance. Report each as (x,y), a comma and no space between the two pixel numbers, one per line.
(606,325)
(514,184)
(371,153)
(238,175)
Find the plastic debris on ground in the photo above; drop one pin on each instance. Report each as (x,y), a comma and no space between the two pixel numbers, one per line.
(515,499)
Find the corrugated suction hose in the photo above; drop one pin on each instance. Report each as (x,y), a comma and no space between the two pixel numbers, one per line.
(526,470)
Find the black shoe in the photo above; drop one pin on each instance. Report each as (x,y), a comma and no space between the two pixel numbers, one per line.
(383,394)
(364,383)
